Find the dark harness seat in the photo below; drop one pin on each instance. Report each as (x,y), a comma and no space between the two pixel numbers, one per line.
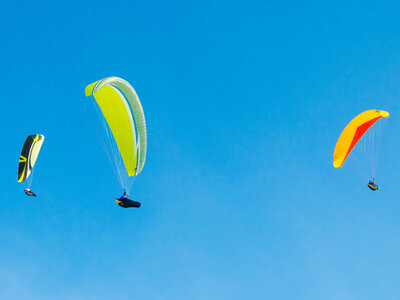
(30,193)
(125,203)
(373,186)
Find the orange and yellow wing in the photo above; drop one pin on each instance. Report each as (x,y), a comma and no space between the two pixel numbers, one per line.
(353,133)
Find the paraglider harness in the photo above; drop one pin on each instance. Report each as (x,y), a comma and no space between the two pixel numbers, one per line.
(29,192)
(124,202)
(372,185)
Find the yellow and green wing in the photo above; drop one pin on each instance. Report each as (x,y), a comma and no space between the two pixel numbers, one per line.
(29,154)
(123,112)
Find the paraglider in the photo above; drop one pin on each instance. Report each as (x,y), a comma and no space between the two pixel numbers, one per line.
(27,160)
(122,117)
(372,185)
(351,135)
(29,192)
(124,202)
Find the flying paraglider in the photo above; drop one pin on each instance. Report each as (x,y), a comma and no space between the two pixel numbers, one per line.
(29,192)
(122,116)
(27,160)
(351,135)
(124,202)
(372,185)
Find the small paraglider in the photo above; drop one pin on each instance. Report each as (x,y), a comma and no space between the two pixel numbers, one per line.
(124,202)
(29,192)
(372,185)
(351,135)
(27,160)
(124,135)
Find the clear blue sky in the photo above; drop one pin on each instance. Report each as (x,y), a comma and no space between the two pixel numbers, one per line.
(244,102)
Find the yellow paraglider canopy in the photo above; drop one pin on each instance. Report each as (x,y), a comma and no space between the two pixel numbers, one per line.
(353,133)
(123,112)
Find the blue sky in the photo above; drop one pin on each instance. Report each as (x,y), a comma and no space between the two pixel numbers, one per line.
(244,102)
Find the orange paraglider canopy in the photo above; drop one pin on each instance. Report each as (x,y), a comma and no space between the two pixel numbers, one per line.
(353,133)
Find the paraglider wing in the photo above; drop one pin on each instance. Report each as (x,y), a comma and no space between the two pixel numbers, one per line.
(353,133)
(29,154)
(123,112)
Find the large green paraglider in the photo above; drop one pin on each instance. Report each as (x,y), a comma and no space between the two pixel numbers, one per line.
(27,160)
(125,130)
